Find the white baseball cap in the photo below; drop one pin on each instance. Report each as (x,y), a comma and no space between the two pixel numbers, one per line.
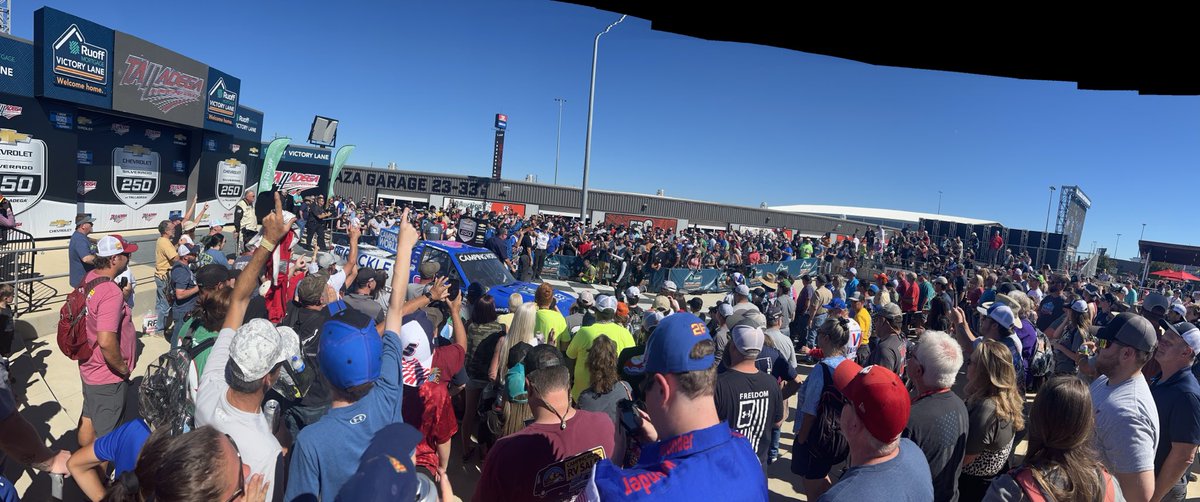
(258,346)
(633,291)
(669,286)
(113,245)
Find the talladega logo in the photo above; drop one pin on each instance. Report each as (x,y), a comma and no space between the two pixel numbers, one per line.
(149,216)
(85,187)
(162,86)
(178,189)
(9,111)
(289,182)
(117,218)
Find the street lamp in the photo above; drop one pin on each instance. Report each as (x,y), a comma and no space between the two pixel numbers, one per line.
(1116,249)
(939,202)
(1046,230)
(587,146)
(558,141)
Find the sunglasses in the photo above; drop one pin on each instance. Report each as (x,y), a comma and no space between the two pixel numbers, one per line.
(241,472)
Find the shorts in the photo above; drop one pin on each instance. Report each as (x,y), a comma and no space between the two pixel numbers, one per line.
(805,464)
(105,405)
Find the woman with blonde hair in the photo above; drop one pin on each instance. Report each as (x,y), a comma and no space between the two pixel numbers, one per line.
(994,407)
(521,331)
(1073,339)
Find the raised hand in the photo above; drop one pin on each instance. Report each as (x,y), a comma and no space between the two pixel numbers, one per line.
(438,289)
(274,226)
(408,233)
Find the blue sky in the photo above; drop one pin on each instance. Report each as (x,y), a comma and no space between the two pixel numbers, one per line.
(417,83)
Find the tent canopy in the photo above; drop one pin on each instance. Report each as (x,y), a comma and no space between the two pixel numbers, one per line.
(1095,48)
(1176,275)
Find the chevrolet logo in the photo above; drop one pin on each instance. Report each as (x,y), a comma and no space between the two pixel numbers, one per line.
(253,150)
(134,149)
(12,137)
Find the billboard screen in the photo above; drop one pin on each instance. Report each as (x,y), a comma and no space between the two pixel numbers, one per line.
(154,82)
(303,170)
(640,222)
(76,58)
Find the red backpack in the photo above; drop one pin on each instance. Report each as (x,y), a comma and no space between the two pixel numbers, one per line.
(72,330)
(1033,491)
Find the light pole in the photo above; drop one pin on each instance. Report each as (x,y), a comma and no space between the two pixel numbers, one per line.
(1046,230)
(587,145)
(939,202)
(558,141)
(1116,249)
(1140,240)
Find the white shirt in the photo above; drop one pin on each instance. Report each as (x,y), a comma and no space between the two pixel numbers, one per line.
(258,446)
(543,239)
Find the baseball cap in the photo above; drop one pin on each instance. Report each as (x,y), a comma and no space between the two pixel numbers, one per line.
(189,225)
(211,275)
(1000,313)
(737,278)
(1129,329)
(651,319)
(543,356)
(742,290)
(881,277)
(311,288)
(364,276)
(326,260)
(878,397)
(258,346)
(874,288)
(215,222)
(836,303)
(724,309)
(83,218)
(622,309)
(1179,308)
(586,298)
(773,311)
(1007,301)
(669,286)
(941,280)
(187,249)
(889,310)
(662,303)
(785,283)
(633,291)
(1079,306)
(605,302)
(1156,300)
(386,471)
(1190,334)
(429,269)
(112,245)
(350,349)
(747,338)
(669,347)
(852,271)
(855,297)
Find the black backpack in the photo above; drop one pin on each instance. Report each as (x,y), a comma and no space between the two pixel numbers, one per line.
(825,439)
(1041,363)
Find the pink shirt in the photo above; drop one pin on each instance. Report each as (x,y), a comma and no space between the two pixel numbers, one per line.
(107,311)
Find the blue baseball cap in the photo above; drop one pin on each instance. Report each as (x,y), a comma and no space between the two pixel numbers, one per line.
(836,303)
(669,346)
(874,288)
(386,470)
(350,350)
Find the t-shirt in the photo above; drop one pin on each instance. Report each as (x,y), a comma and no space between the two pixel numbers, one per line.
(889,352)
(856,336)
(1049,311)
(107,312)
(217,257)
(608,403)
(631,364)
(164,253)
(550,319)
(696,465)
(250,430)
(481,346)
(199,335)
(545,461)
(863,318)
(1126,424)
(783,344)
(428,408)
(902,478)
(581,343)
(79,249)
(327,453)
(1071,339)
(851,286)
(122,446)
(366,305)
(751,404)
(822,296)
(1177,399)
(183,278)
(813,387)
(988,436)
(938,425)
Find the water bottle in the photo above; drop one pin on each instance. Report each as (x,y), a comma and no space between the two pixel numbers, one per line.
(56,486)
(271,411)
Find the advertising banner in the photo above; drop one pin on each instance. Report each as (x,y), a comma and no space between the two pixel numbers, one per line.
(249,124)
(705,280)
(339,160)
(388,240)
(16,67)
(506,208)
(794,268)
(266,180)
(37,164)
(132,174)
(422,183)
(303,170)
(640,222)
(221,102)
(226,171)
(154,82)
(76,58)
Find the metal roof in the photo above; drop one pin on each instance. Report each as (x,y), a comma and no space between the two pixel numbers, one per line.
(887,214)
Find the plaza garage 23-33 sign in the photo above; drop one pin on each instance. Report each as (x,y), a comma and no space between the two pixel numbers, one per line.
(472,187)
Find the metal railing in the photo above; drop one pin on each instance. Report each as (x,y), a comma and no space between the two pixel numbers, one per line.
(18,269)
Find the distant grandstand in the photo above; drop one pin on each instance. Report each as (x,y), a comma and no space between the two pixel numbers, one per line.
(886,217)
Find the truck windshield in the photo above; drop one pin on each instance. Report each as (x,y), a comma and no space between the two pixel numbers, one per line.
(485,269)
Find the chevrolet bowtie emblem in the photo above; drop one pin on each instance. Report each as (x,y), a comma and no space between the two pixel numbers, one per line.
(12,137)
(137,149)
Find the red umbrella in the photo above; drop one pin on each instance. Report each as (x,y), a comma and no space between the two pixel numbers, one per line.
(1176,275)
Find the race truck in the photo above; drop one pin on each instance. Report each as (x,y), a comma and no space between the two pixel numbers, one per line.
(468,264)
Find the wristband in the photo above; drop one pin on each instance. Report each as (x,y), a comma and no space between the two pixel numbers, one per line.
(266,244)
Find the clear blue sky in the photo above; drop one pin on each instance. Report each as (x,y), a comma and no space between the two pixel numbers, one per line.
(417,83)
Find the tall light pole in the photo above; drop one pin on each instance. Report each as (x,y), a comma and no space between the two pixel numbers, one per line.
(1140,240)
(1046,230)
(558,142)
(587,145)
(1116,249)
(939,202)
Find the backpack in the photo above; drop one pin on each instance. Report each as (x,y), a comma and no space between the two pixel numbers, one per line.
(1041,363)
(72,330)
(172,380)
(825,439)
(1033,491)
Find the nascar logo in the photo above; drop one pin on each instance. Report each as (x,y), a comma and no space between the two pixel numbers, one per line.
(9,111)
(149,216)
(178,189)
(120,129)
(85,187)
(117,218)
(290,182)
(152,134)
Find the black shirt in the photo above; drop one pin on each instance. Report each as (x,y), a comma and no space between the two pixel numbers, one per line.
(307,324)
(1050,310)
(888,352)
(938,424)
(751,404)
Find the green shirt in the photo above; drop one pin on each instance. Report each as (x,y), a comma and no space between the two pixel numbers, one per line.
(582,343)
(198,336)
(550,319)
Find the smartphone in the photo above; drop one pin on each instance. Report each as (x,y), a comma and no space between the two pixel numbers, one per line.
(124,282)
(454,288)
(631,420)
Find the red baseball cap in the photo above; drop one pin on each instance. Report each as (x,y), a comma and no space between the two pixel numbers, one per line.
(878,397)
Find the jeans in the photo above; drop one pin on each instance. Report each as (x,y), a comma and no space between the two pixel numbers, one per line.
(812,333)
(773,453)
(798,330)
(161,308)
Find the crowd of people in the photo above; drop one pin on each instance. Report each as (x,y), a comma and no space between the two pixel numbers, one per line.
(292,376)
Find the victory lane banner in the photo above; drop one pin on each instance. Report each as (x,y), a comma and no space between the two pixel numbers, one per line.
(35,168)
(228,167)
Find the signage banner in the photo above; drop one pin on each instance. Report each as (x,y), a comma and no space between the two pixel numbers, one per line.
(388,240)
(154,82)
(16,67)
(339,160)
(506,208)
(794,268)
(32,154)
(270,162)
(640,222)
(249,124)
(468,230)
(303,170)
(221,102)
(705,280)
(135,175)
(76,58)
(226,172)
(470,187)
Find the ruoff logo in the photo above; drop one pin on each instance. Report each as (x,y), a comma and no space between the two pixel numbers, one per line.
(152,134)
(222,103)
(85,187)
(289,182)
(178,189)
(120,129)
(78,64)
(117,218)
(9,111)
(162,86)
